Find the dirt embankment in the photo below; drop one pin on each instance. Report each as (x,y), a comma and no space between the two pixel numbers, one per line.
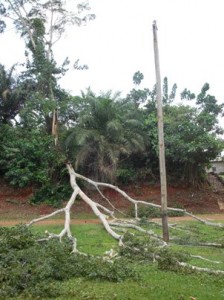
(15,204)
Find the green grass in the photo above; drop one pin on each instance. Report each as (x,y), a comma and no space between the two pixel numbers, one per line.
(153,284)
(92,238)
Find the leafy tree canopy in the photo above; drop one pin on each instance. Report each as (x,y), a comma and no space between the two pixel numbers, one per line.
(105,130)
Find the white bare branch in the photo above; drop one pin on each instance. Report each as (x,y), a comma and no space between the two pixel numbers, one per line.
(46,217)
(199,269)
(206,259)
(137,202)
(140,229)
(204,221)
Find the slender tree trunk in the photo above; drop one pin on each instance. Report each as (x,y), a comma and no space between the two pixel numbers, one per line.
(54,130)
(162,163)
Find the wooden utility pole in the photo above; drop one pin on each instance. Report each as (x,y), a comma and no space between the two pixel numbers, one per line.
(162,164)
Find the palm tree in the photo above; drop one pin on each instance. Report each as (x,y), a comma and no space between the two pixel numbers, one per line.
(105,130)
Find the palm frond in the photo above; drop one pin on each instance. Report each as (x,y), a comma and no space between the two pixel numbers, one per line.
(106,130)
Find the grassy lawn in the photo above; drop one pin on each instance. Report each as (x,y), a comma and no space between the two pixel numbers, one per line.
(153,283)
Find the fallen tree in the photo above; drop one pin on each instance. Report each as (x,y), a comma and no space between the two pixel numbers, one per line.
(106,216)
(116,227)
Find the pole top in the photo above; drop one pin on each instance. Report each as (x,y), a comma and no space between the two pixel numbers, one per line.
(154,25)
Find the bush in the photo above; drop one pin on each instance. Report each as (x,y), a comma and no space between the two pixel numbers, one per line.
(53,194)
(30,158)
(126,176)
(27,157)
(146,212)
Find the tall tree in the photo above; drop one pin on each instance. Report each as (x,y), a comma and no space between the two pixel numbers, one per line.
(41,23)
(189,147)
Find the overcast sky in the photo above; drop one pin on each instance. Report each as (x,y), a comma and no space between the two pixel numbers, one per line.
(119,42)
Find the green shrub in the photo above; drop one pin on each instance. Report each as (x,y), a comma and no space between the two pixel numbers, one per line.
(53,194)
(27,157)
(146,212)
(126,176)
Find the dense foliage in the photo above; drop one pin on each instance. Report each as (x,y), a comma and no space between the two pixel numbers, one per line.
(109,139)
(34,268)
(29,158)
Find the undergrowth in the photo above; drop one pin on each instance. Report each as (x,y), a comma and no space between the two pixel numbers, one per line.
(143,248)
(34,268)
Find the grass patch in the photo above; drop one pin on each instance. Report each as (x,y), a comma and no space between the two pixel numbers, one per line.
(191,232)
(154,285)
(92,238)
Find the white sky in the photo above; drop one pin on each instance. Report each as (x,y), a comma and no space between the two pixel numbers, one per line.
(119,42)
